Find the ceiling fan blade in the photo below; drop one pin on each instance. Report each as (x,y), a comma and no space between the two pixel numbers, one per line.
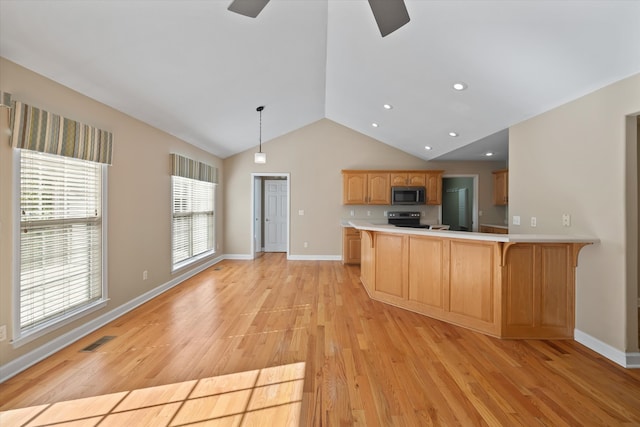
(390,14)
(250,8)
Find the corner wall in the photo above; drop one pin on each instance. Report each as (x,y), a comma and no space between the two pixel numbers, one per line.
(573,160)
(139,201)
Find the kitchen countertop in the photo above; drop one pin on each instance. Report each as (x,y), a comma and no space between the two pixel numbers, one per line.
(512,238)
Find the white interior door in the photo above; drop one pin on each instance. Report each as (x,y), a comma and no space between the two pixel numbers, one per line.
(257,214)
(275,215)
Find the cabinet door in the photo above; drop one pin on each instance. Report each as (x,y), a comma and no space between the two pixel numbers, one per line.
(379,190)
(398,178)
(354,191)
(434,188)
(501,188)
(417,179)
(351,246)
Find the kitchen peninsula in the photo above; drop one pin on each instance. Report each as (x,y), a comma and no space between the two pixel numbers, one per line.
(503,285)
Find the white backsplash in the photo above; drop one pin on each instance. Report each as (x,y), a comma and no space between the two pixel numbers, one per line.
(377,214)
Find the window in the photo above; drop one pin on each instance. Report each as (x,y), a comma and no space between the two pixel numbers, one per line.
(193,224)
(61,239)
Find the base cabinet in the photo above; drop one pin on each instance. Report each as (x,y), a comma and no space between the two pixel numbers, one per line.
(503,289)
(351,246)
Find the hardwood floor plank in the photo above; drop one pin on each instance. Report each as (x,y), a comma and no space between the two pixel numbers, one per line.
(301,343)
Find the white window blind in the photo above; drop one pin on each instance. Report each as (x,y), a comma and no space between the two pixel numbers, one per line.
(60,237)
(193,219)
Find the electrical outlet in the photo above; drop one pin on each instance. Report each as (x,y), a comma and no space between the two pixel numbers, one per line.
(534,221)
(3,332)
(306,244)
(516,220)
(479,213)
(368,213)
(385,213)
(352,212)
(566,220)
(145,275)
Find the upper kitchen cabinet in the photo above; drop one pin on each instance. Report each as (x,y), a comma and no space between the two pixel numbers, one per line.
(434,187)
(366,188)
(408,179)
(501,187)
(373,187)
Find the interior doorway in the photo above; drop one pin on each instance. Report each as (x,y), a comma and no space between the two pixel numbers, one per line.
(270,212)
(460,202)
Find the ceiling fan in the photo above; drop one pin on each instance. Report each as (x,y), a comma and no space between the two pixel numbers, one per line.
(389,14)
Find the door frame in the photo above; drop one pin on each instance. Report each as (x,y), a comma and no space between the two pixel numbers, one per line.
(474,209)
(257,204)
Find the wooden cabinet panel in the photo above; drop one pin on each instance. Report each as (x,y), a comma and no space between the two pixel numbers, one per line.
(519,288)
(379,190)
(501,187)
(555,291)
(351,246)
(354,190)
(367,260)
(539,291)
(361,188)
(408,178)
(434,188)
(471,284)
(391,267)
(426,276)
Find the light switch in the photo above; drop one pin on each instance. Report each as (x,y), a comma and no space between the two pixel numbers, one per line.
(301,212)
(516,220)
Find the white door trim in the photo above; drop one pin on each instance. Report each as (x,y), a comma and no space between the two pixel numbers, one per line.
(255,175)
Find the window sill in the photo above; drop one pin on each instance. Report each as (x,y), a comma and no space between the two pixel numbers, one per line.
(45,328)
(192,260)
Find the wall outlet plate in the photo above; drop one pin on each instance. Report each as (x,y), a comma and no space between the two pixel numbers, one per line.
(516,220)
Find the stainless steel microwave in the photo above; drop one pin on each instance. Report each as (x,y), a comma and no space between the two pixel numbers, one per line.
(408,195)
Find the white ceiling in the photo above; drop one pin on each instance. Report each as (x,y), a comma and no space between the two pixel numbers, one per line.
(198,71)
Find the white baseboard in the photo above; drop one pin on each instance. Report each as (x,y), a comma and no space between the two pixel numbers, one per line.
(246,257)
(21,363)
(624,359)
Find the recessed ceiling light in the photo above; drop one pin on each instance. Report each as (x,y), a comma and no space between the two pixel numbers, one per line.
(489,154)
(453,134)
(375,125)
(459,86)
(388,106)
(426,147)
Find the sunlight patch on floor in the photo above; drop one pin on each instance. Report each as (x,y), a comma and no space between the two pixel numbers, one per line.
(269,396)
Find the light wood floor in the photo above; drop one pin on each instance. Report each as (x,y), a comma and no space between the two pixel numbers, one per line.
(272,342)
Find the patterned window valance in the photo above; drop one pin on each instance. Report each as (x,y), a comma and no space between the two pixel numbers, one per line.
(39,130)
(188,168)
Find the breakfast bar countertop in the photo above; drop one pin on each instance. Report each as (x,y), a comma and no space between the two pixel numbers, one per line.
(510,238)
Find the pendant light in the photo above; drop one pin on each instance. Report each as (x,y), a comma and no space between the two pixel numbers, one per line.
(260,157)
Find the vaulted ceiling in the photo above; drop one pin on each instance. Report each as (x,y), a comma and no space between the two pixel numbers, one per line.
(198,71)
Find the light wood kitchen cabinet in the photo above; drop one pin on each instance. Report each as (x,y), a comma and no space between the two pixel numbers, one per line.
(373,187)
(379,190)
(434,187)
(410,179)
(501,187)
(350,246)
(503,289)
(366,188)
(354,188)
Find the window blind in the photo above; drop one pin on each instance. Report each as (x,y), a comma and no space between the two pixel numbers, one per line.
(60,237)
(193,219)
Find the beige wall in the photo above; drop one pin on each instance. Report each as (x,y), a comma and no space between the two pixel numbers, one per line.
(314,156)
(138,195)
(572,160)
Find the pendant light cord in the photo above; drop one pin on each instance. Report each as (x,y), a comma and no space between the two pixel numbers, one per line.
(259,110)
